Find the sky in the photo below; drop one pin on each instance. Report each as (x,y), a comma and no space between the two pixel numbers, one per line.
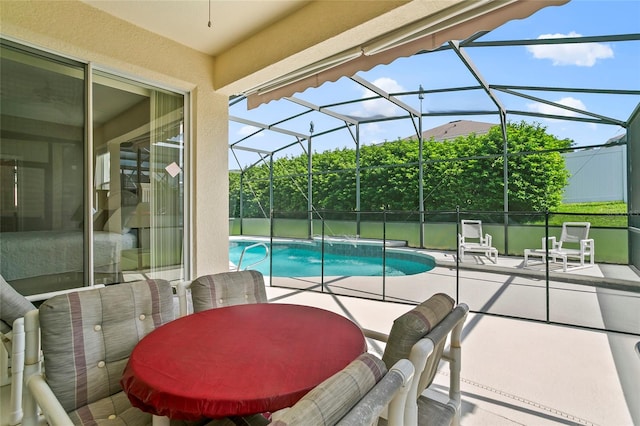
(611,65)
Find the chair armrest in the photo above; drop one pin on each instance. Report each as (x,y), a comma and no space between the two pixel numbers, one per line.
(553,243)
(44,296)
(375,335)
(390,391)
(181,291)
(586,243)
(488,239)
(47,401)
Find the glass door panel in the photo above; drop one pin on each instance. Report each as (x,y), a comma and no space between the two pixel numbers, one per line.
(138,181)
(42,169)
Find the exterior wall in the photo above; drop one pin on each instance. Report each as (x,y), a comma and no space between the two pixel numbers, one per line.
(585,185)
(78,31)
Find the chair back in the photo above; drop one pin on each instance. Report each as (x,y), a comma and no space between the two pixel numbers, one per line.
(574,232)
(87,336)
(414,325)
(471,229)
(337,399)
(227,289)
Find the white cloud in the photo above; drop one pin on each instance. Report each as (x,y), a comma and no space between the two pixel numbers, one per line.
(248,130)
(582,55)
(381,106)
(552,110)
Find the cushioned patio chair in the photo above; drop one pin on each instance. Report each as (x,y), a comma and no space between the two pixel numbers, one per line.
(86,338)
(222,289)
(13,307)
(355,396)
(472,240)
(420,335)
(574,243)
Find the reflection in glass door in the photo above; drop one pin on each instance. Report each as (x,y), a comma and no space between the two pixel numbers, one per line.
(42,168)
(138,181)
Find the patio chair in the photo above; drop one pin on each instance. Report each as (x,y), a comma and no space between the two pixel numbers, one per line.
(222,289)
(420,335)
(13,307)
(574,243)
(472,240)
(355,396)
(85,338)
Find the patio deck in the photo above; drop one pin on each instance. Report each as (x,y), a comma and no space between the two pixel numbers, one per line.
(517,372)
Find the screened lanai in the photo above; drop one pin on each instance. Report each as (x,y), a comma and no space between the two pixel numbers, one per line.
(542,74)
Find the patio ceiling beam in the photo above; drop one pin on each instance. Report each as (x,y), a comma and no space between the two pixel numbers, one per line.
(569,118)
(567,89)
(466,60)
(564,107)
(559,40)
(267,127)
(601,120)
(248,149)
(322,110)
(375,89)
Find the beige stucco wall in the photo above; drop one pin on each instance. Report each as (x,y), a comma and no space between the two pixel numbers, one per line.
(75,30)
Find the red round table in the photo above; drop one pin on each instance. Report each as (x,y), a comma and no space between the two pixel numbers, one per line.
(238,360)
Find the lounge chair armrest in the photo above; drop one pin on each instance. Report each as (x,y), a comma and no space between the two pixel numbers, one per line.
(586,243)
(488,240)
(553,243)
(375,335)
(52,410)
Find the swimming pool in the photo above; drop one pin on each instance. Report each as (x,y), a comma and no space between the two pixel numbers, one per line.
(304,259)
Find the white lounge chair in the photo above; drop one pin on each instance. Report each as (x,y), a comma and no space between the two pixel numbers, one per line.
(472,240)
(574,243)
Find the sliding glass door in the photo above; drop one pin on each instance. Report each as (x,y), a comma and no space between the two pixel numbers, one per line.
(42,154)
(87,204)
(138,180)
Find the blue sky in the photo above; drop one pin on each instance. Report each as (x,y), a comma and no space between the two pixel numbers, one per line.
(593,66)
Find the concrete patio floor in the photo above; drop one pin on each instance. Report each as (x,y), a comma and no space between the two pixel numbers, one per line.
(520,372)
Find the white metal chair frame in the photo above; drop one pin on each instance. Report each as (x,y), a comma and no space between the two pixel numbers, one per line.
(389,393)
(451,325)
(472,229)
(557,251)
(16,343)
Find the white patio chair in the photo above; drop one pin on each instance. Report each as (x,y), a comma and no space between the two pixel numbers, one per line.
(574,243)
(472,240)
(421,335)
(355,396)
(13,307)
(85,338)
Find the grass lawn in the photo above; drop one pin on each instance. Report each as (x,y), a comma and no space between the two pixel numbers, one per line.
(599,214)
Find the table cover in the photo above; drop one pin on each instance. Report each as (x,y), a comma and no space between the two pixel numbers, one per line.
(238,360)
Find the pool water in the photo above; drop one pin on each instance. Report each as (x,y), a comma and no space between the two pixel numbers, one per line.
(291,260)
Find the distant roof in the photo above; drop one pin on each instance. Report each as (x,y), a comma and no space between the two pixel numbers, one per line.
(617,139)
(457,128)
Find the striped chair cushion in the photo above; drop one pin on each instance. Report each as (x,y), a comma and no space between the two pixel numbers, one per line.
(412,326)
(104,411)
(332,399)
(227,289)
(87,338)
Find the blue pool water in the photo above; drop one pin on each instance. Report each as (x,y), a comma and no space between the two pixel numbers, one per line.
(305,260)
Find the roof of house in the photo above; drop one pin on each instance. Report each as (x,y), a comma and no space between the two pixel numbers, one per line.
(457,128)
